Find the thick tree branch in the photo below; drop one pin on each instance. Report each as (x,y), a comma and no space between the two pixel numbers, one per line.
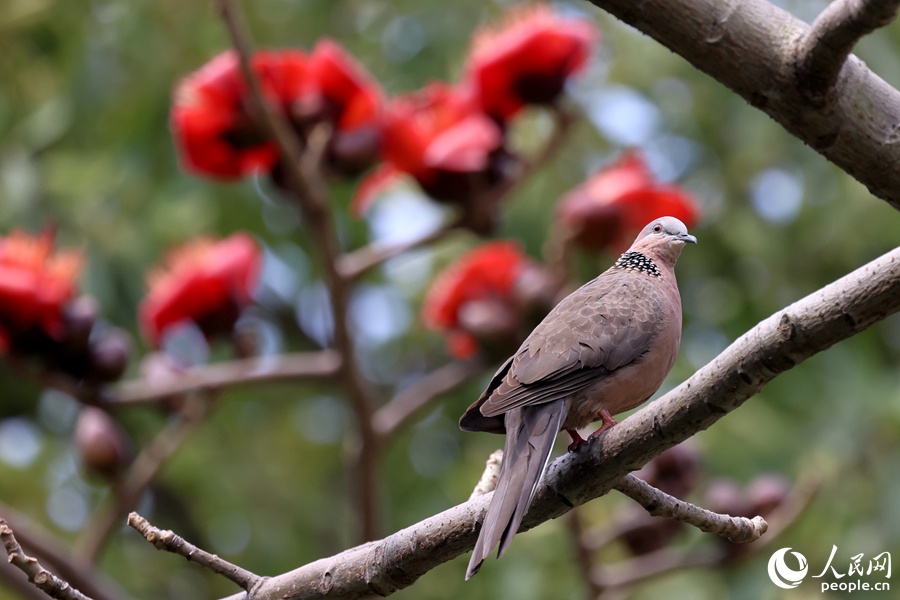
(825,46)
(752,47)
(220,376)
(815,323)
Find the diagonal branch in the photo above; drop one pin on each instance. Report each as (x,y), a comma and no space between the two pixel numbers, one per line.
(353,265)
(170,542)
(52,553)
(660,504)
(813,324)
(750,46)
(46,581)
(825,46)
(421,393)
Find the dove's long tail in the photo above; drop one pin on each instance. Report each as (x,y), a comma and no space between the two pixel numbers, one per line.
(530,433)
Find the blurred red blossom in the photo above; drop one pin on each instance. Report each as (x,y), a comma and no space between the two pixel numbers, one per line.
(351,101)
(440,137)
(527,59)
(216,134)
(36,284)
(214,131)
(612,205)
(206,282)
(475,293)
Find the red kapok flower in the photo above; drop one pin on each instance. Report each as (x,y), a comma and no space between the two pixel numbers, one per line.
(527,60)
(214,132)
(347,97)
(36,283)
(486,274)
(611,206)
(205,281)
(440,137)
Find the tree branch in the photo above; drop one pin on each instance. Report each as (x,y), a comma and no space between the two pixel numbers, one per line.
(751,47)
(170,542)
(421,393)
(815,323)
(825,46)
(302,169)
(46,581)
(353,265)
(660,504)
(51,552)
(220,376)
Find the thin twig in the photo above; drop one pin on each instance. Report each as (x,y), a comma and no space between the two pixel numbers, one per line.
(220,376)
(660,504)
(353,265)
(303,177)
(422,393)
(488,480)
(825,46)
(51,552)
(170,542)
(128,491)
(43,579)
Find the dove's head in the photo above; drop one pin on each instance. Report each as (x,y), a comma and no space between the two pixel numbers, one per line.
(663,238)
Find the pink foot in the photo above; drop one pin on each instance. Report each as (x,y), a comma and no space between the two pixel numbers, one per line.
(577,440)
(608,422)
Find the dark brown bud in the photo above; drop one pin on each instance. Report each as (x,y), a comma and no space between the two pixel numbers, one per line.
(101,442)
(109,355)
(80,315)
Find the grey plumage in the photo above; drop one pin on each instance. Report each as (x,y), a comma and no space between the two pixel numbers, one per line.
(605,348)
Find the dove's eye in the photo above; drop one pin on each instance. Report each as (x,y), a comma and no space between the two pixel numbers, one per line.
(657,228)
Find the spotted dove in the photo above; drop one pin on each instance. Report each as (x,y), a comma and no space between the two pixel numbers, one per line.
(604,349)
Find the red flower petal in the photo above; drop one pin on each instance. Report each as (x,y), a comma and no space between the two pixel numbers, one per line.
(204,282)
(213,131)
(616,202)
(528,60)
(438,130)
(346,85)
(35,284)
(490,270)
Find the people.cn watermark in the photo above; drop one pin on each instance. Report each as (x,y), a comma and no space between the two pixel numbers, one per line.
(787,569)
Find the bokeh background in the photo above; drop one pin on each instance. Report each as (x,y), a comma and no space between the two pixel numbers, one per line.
(84,144)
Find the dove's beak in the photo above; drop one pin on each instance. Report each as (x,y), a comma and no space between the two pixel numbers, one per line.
(687,238)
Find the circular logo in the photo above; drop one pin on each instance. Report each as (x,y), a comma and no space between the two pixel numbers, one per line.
(782,575)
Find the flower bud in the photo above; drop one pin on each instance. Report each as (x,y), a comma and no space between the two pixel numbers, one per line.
(101,443)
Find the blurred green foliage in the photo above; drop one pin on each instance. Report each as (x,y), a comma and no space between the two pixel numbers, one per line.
(84,145)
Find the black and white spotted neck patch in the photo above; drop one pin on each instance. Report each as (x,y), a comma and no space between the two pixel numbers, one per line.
(635,261)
